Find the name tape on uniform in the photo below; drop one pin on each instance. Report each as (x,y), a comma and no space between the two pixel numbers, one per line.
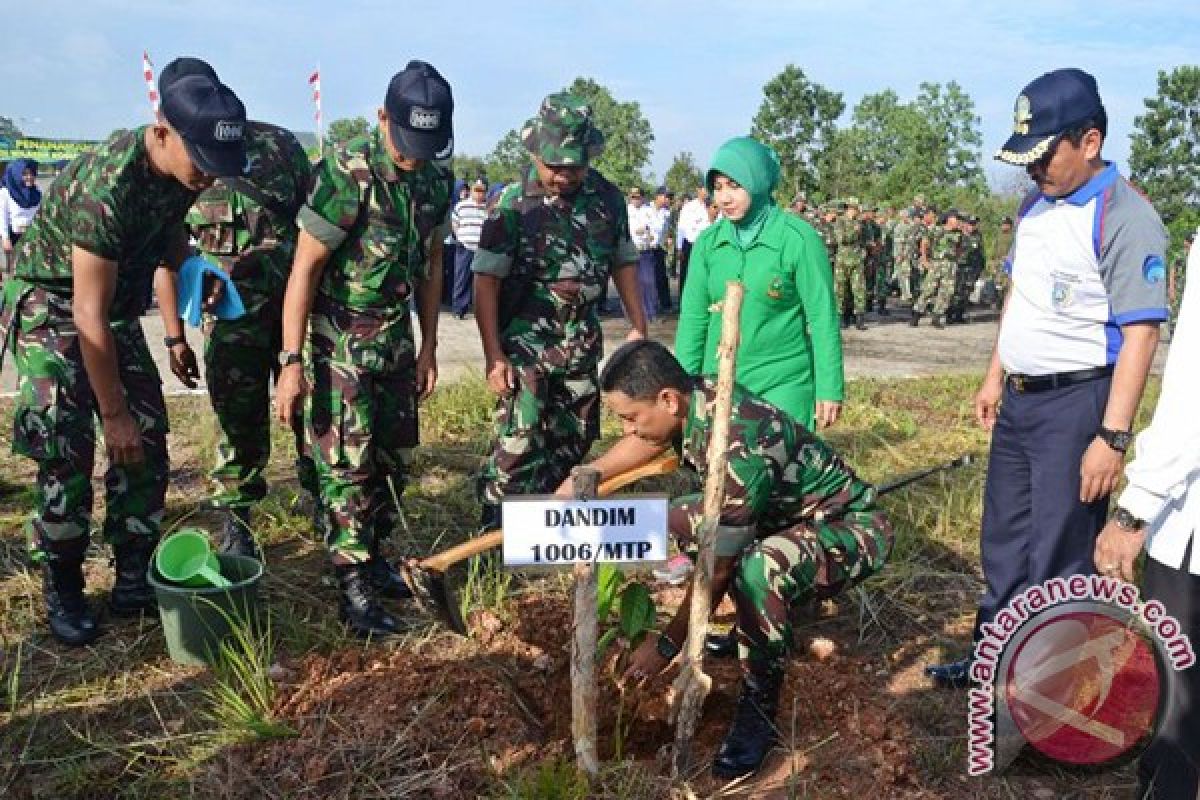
(543,531)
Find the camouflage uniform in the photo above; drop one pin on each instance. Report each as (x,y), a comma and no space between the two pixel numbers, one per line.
(967,270)
(999,275)
(850,283)
(944,249)
(381,224)
(885,273)
(905,237)
(109,203)
(251,234)
(555,256)
(800,522)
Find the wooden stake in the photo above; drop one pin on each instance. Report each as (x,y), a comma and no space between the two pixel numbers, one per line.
(583,645)
(693,685)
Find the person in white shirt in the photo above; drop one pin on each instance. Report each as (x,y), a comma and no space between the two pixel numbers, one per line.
(643,227)
(19,201)
(1077,336)
(1160,509)
(693,218)
(467,222)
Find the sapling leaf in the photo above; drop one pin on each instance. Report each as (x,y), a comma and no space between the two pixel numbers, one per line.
(608,583)
(637,611)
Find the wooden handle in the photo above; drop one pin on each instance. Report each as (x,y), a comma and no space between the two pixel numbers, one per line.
(440,562)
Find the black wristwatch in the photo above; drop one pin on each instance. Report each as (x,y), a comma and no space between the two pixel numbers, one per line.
(1117,440)
(171,341)
(666,648)
(1127,522)
(289,357)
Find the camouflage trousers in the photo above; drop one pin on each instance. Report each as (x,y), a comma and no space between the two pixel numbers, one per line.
(905,273)
(964,282)
(777,576)
(937,288)
(54,423)
(362,425)
(882,287)
(850,284)
(241,359)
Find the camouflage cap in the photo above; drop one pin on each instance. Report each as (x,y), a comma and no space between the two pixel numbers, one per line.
(562,134)
(851,202)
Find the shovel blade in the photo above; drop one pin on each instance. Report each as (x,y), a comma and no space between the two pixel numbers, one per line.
(435,594)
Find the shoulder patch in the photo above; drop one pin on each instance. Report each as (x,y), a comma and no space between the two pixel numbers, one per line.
(1154,269)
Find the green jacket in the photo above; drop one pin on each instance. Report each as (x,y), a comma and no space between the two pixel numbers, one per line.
(791,348)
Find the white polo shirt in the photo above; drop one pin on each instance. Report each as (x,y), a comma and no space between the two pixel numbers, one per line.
(1082,266)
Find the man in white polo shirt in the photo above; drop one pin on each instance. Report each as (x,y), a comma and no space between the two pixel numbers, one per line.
(1160,508)
(1077,335)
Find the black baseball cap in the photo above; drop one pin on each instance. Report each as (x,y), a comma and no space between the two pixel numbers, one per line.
(420,108)
(181,68)
(1048,107)
(211,120)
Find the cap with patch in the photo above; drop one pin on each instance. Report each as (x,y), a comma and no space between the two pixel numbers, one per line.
(210,119)
(562,133)
(420,107)
(1046,109)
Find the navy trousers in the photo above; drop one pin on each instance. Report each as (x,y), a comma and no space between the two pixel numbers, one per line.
(661,282)
(1170,767)
(460,293)
(1034,527)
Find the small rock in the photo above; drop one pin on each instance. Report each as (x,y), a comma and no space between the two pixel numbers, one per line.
(174,725)
(277,672)
(543,663)
(822,649)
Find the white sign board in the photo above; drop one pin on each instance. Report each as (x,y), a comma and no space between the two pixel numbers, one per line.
(549,531)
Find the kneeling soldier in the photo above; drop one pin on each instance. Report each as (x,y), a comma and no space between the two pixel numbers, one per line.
(797,524)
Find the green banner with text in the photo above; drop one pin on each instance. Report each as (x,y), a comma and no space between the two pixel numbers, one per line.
(42,149)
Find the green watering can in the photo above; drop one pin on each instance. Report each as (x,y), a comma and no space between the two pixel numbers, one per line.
(186,558)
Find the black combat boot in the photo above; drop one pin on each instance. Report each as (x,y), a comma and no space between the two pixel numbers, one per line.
(490,517)
(881,307)
(131,592)
(860,321)
(752,734)
(952,675)
(386,580)
(360,610)
(722,645)
(236,536)
(939,321)
(915,320)
(67,611)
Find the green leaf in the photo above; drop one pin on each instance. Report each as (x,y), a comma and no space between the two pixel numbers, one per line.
(637,611)
(608,583)
(606,640)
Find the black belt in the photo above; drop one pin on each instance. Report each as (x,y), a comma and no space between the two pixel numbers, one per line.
(1024,384)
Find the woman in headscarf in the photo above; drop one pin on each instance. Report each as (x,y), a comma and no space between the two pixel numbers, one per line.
(19,201)
(791,349)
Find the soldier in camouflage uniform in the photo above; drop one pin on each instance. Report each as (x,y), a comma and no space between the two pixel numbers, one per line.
(797,524)
(998,254)
(246,225)
(905,234)
(826,218)
(967,271)
(545,255)
(850,282)
(885,275)
(371,233)
(945,251)
(928,226)
(83,273)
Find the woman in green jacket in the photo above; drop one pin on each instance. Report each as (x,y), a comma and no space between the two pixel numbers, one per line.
(791,347)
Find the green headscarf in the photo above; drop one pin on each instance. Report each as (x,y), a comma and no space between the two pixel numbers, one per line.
(755,167)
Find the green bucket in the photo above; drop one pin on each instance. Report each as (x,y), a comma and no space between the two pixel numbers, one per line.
(185,557)
(197,619)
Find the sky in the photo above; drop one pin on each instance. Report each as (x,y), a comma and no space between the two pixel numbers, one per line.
(697,68)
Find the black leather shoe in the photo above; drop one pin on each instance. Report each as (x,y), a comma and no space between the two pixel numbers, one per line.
(131,592)
(236,536)
(753,733)
(385,579)
(359,609)
(952,675)
(916,319)
(490,517)
(67,611)
(722,645)
(938,321)
(860,321)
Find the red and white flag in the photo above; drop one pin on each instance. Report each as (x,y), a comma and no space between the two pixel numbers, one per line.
(314,81)
(148,74)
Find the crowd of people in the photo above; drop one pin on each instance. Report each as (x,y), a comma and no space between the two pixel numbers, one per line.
(331,261)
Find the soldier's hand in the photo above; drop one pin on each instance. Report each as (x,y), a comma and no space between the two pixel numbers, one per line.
(289,393)
(645,663)
(827,413)
(427,373)
(183,364)
(123,438)
(214,290)
(500,377)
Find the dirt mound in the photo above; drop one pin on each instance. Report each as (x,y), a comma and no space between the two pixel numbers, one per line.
(459,714)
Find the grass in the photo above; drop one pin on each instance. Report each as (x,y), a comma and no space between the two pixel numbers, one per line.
(119,719)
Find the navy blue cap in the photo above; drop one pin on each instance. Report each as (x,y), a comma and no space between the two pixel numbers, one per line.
(210,119)
(1046,109)
(181,68)
(420,108)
